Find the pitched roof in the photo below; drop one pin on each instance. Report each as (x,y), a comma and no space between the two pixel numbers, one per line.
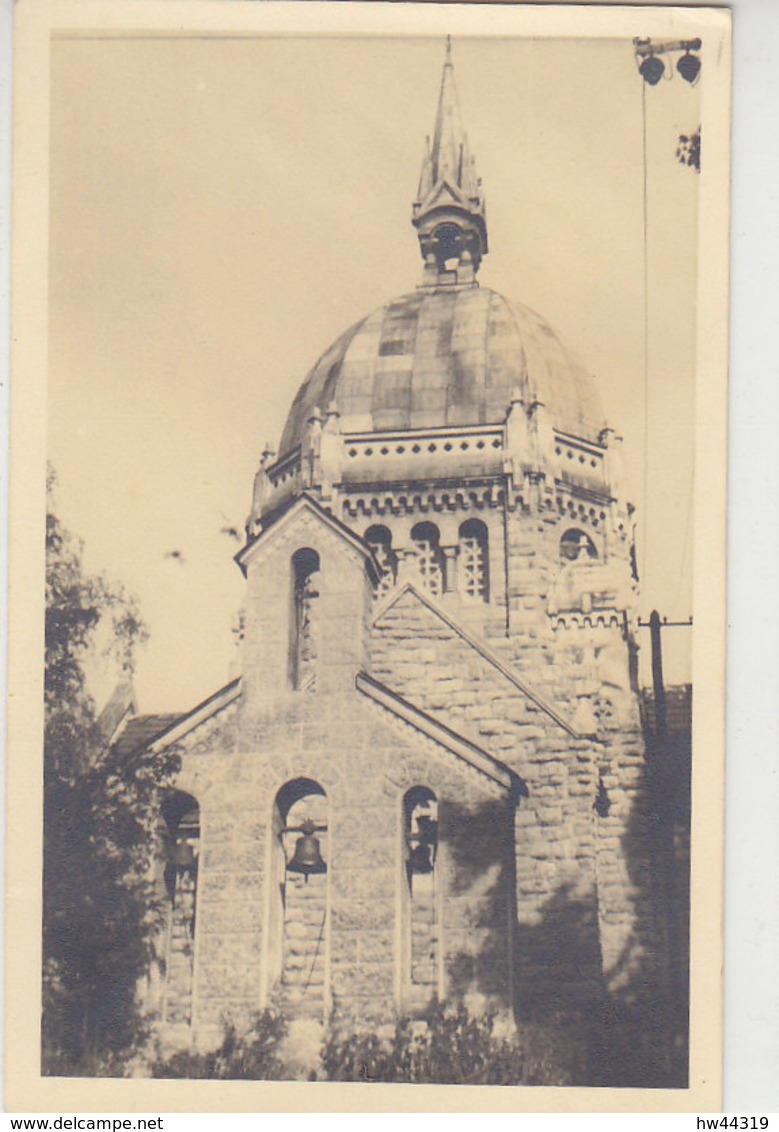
(188,720)
(142,730)
(121,706)
(146,730)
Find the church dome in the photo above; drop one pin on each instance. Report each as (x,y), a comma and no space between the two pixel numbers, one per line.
(448,383)
(446,355)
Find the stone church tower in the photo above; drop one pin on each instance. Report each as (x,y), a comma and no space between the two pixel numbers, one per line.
(425,784)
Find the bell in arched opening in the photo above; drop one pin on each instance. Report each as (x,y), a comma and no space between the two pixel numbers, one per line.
(307,858)
(180,829)
(420,899)
(577,546)
(299,926)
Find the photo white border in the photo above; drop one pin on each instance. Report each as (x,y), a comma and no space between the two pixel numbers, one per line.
(24,1089)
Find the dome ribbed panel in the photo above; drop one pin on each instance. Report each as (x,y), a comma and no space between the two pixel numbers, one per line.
(445,358)
(558,378)
(320,388)
(468,359)
(431,372)
(393,394)
(506,368)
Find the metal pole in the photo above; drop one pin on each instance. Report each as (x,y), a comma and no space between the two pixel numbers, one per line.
(661,718)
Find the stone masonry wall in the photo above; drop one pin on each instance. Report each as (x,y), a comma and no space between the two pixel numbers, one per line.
(365,759)
(420,656)
(580,875)
(341,610)
(542,901)
(584,665)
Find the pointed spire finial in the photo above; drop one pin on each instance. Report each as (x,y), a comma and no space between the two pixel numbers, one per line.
(449,212)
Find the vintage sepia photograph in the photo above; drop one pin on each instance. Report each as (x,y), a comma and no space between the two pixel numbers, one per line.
(372,426)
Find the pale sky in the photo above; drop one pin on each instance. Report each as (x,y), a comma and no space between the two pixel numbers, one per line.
(221,210)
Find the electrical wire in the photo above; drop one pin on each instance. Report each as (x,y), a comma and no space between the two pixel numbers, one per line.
(646,337)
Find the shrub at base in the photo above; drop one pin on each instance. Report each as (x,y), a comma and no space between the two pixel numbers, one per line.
(449,1047)
(240,1057)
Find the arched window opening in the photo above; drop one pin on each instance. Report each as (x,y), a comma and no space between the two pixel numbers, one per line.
(379,539)
(474,564)
(304,644)
(576,546)
(448,245)
(421,926)
(180,838)
(429,556)
(297,959)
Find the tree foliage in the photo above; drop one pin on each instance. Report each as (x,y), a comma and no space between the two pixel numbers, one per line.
(450,1046)
(99,816)
(688,151)
(254,1056)
(444,1045)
